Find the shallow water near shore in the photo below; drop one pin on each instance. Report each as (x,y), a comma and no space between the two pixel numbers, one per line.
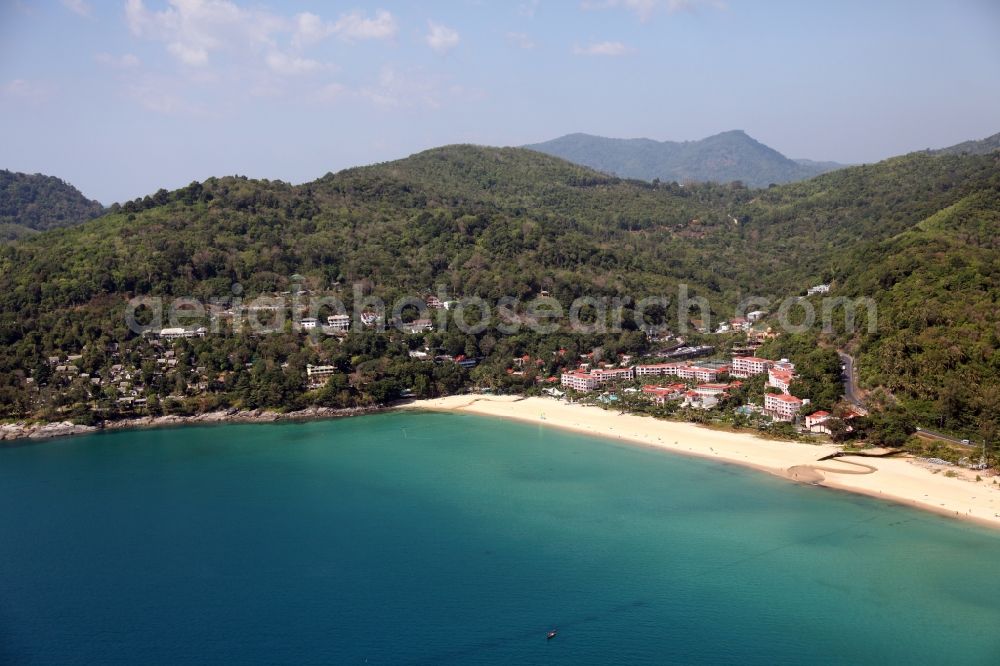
(445,538)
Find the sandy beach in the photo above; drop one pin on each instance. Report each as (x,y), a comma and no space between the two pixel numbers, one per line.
(899,479)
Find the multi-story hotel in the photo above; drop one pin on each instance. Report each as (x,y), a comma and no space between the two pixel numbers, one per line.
(748,366)
(782,407)
(681,370)
(780,379)
(579,381)
(605,375)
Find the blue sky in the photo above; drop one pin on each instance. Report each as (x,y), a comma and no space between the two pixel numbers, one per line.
(124,97)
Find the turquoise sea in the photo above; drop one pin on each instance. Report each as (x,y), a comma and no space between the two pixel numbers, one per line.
(449,539)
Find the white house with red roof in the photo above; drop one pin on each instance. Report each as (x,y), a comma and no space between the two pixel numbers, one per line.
(661,394)
(816,422)
(748,366)
(682,370)
(605,375)
(782,407)
(579,381)
(657,369)
(780,379)
(698,400)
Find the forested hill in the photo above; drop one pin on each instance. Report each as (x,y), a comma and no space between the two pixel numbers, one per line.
(488,221)
(32,202)
(722,158)
(937,284)
(917,233)
(978,147)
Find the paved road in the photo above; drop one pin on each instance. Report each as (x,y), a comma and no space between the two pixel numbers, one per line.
(851,394)
(946,438)
(849,375)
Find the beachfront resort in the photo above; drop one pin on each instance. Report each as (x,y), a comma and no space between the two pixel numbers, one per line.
(703,386)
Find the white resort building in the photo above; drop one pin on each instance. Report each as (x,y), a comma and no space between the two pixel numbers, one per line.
(748,366)
(782,407)
(579,381)
(339,323)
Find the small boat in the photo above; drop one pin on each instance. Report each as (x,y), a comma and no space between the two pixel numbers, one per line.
(549,636)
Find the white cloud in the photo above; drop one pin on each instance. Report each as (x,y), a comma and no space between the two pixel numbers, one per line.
(351,27)
(77,6)
(528,8)
(645,9)
(310,29)
(603,49)
(413,88)
(399,90)
(189,54)
(193,29)
(441,38)
(521,40)
(331,92)
(26,91)
(283,63)
(165,96)
(127,61)
(355,26)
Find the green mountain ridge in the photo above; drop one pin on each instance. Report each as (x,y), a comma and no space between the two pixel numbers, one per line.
(976,147)
(721,158)
(492,222)
(30,203)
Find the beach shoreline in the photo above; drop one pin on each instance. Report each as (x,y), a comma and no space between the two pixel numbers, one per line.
(902,480)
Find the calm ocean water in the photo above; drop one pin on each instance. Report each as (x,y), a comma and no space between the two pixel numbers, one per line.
(447,539)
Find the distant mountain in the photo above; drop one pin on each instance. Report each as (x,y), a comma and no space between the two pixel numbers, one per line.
(820,167)
(980,147)
(30,203)
(723,158)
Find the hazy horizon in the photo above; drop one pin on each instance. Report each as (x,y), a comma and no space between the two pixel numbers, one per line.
(121,99)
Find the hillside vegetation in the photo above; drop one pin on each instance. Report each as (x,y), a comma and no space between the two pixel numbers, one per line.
(916,233)
(32,202)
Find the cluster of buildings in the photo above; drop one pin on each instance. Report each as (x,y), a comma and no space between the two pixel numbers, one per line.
(584,380)
(340,324)
(780,406)
(122,381)
(701,396)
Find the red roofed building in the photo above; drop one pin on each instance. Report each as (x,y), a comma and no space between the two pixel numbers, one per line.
(605,375)
(657,369)
(660,394)
(782,407)
(748,366)
(711,389)
(816,422)
(780,379)
(579,381)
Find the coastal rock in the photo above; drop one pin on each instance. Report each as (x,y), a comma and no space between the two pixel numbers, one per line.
(37,431)
(12,431)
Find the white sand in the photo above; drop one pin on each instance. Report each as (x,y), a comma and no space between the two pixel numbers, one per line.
(899,479)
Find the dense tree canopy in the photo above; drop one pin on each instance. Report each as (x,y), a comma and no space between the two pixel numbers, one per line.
(916,233)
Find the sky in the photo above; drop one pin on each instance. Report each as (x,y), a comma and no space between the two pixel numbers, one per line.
(123,97)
